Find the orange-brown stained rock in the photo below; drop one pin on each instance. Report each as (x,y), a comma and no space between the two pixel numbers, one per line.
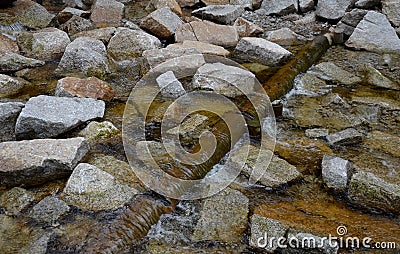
(8,45)
(85,88)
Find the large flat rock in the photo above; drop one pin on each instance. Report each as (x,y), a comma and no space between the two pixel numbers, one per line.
(225,14)
(49,116)
(374,33)
(37,161)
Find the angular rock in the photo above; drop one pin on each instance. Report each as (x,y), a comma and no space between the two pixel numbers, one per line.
(84,88)
(246,28)
(335,172)
(154,57)
(331,72)
(187,3)
(76,24)
(277,173)
(310,243)
(369,191)
(366,4)
(375,78)
(162,23)
(374,33)
(15,200)
(317,133)
(109,12)
(224,79)
(391,8)
(158,4)
(385,142)
(10,62)
(95,131)
(261,51)
(224,14)
(305,6)
(81,4)
(223,218)
(49,210)
(39,160)
(85,56)
(46,44)
(9,86)
(92,189)
(209,32)
(127,43)
(9,112)
(8,45)
(311,85)
(350,21)
(202,47)
(282,7)
(67,13)
(170,85)
(34,16)
(102,34)
(348,136)
(263,229)
(125,75)
(284,36)
(190,129)
(332,9)
(48,116)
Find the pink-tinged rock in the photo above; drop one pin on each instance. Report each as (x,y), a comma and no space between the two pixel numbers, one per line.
(162,23)
(8,45)
(209,32)
(158,4)
(85,88)
(107,12)
(246,28)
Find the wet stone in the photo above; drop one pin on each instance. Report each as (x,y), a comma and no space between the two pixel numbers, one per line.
(49,210)
(190,129)
(162,23)
(96,131)
(84,88)
(155,57)
(224,14)
(10,62)
(369,191)
(224,79)
(223,218)
(375,78)
(108,12)
(317,133)
(348,136)
(262,51)
(49,116)
(263,229)
(127,43)
(284,36)
(170,85)
(9,112)
(46,44)
(40,160)
(85,56)
(15,200)
(8,45)
(335,172)
(92,189)
(330,72)
(9,86)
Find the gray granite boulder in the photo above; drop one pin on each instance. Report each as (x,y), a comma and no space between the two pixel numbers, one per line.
(46,44)
(9,112)
(263,229)
(107,12)
(34,16)
(224,79)
(391,8)
(348,136)
(332,9)
(335,172)
(374,33)
(281,7)
(224,14)
(170,86)
(92,189)
(162,23)
(49,116)
(127,43)
(10,62)
(10,86)
(39,160)
(85,56)
(262,51)
(49,210)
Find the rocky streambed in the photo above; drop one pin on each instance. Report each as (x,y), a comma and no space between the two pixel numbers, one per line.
(67,69)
